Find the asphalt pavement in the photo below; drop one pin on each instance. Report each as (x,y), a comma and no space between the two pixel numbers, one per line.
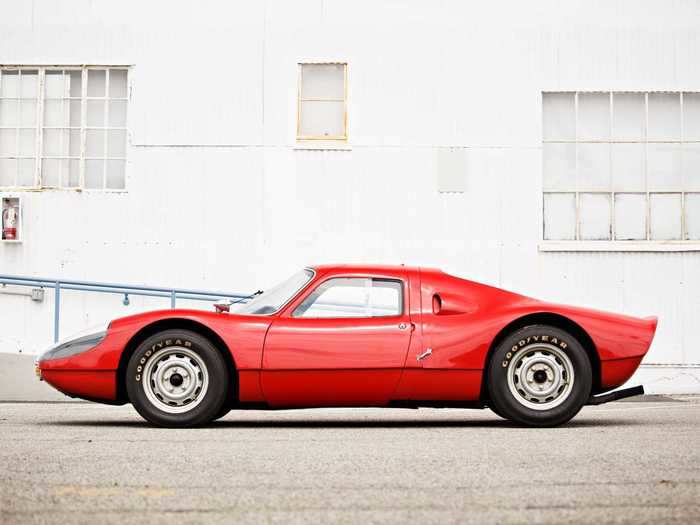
(626,462)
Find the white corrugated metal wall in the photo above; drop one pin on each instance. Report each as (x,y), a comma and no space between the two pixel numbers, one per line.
(218,196)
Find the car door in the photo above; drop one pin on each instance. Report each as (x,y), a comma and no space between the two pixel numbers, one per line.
(343,344)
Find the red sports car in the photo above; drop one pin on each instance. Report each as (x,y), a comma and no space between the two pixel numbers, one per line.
(358,336)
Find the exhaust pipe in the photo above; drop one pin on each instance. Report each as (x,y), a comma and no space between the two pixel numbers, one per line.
(615,395)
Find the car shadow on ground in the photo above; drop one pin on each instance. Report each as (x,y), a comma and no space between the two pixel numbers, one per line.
(350,423)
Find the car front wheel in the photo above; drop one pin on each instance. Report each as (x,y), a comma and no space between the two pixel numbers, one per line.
(177,378)
(539,376)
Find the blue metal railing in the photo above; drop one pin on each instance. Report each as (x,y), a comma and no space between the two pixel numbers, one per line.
(114,288)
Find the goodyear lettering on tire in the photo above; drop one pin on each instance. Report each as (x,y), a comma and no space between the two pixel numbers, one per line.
(522,343)
(154,348)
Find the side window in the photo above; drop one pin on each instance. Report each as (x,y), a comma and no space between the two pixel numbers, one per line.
(353,297)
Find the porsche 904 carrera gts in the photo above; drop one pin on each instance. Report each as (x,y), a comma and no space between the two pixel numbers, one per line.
(375,336)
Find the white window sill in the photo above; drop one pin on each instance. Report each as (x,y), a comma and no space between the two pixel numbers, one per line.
(619,246)
(15,190)
(333,145)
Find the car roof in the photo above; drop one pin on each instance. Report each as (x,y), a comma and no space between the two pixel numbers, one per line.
(363,268)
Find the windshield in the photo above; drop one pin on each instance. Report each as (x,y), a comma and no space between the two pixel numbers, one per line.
(275,298)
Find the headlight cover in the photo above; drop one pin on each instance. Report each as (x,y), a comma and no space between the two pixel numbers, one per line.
(76,344)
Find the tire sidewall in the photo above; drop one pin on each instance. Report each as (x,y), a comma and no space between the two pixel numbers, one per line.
(504,400)
(214,397)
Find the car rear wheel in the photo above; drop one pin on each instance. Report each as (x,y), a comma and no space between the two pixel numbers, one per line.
(177,378)
(222,413)
(539,376)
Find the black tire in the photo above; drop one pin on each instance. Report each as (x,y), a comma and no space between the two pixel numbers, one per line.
(496,411)
(229,402)
(534,357)
(222,413)
(203,379)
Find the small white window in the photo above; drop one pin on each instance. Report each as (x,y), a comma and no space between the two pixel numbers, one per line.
(63,127)
(451,170)
(353,297)
(322,102)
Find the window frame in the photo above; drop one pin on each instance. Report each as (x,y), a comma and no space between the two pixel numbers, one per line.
(41,99)
(311,290)
(612,244)
(320,138)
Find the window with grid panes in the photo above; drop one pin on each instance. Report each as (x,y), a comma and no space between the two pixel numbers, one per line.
(63,127)
(621,166)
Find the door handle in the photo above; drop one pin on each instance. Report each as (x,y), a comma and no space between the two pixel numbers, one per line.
(403,326)
(428,351)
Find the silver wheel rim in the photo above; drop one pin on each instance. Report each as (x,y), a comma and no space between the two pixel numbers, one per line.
(175,379)
(540,376)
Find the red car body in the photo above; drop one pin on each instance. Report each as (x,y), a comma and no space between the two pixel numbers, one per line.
(283,361)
